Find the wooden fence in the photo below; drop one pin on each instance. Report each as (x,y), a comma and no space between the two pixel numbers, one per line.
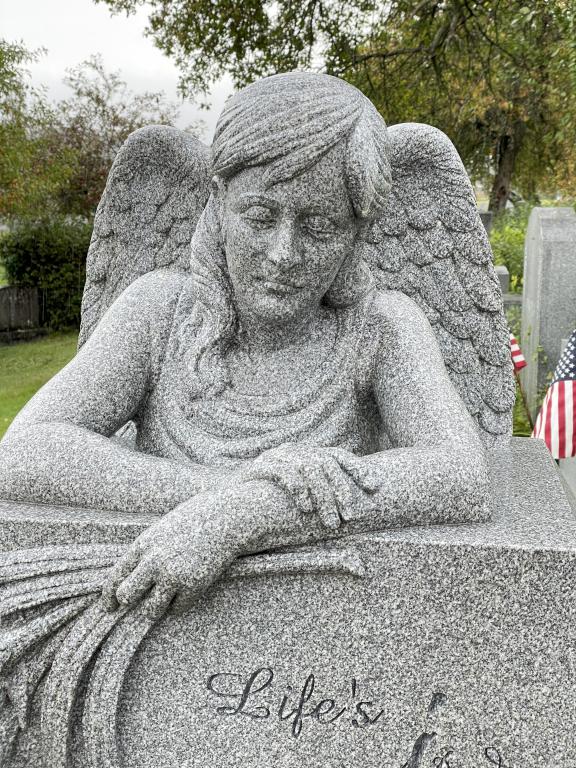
(19,308)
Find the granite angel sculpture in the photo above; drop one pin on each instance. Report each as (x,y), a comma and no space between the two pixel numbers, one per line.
(331,360)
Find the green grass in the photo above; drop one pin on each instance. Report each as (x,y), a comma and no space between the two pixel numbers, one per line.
(26,366)
(521,425)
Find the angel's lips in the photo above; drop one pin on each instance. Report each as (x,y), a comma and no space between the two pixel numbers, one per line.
(279,286)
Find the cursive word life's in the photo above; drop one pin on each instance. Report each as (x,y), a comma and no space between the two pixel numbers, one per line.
(254,697)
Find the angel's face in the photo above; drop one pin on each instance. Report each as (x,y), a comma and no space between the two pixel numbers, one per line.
(285,244)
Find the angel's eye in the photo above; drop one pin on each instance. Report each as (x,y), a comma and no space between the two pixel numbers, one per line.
(259,217)
(319,227)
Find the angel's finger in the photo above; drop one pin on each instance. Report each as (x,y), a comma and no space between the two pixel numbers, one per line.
(156,603)
(290,480)
(361,491)
(117,574)
(322,496)
(135,585)
(345,493)
(362,473)
(184,600)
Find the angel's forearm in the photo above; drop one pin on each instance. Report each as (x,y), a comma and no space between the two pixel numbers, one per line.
(424,486)
(403,487)
(58,463)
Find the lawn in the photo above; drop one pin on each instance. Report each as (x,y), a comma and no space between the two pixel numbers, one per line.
(26,366)
(522,426)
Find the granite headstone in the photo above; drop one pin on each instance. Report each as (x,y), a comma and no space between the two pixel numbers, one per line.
(318,546)
(549,296)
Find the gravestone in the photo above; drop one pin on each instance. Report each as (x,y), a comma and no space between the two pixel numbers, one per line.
(321,546)
(487,218)
(393,650)
(549,295)
(503,277)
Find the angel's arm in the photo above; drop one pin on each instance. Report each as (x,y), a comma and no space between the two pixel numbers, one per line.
(436,471)
(435,474)
(58,448)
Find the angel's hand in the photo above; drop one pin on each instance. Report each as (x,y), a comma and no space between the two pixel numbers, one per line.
(318,480)
(176,559)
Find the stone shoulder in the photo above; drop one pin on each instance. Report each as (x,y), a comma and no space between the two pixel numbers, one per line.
(149,305)
(394,312)
(396,330)
(155,296)
(158,288)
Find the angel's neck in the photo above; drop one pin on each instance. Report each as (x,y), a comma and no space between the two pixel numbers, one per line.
(260,336)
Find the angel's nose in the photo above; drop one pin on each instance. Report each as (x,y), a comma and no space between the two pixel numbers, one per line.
(283,251)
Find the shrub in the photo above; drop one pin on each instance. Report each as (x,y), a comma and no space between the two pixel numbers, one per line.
(507,241)
(50,255)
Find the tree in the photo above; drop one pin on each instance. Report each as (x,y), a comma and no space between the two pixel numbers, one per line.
(94,123)
(498,76)
(33,167)
(55,157)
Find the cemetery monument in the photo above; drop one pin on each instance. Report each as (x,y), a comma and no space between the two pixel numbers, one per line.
(549,296)
(271,513)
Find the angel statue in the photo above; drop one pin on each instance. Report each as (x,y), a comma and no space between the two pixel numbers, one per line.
(331,356)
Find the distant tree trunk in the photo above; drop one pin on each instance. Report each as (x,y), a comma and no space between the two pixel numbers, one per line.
(506,153)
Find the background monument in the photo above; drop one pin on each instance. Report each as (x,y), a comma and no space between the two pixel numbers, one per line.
(549,296)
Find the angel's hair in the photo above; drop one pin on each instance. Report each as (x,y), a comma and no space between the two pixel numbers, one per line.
(285,123)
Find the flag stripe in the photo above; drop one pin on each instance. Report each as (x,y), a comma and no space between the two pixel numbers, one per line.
(573,419)
(556,422)
(561,419)
(569,420)
(517,357)
(548,422)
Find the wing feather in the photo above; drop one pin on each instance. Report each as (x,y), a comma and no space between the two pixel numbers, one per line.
(155,193)
(430,244)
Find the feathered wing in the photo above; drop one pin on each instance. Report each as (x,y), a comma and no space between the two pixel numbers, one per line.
(155,193)
(431,245)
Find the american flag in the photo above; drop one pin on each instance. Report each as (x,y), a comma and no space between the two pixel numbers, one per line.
(517,357)
(556,422)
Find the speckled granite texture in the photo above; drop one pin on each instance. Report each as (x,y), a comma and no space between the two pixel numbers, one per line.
(334,362)
(458,639)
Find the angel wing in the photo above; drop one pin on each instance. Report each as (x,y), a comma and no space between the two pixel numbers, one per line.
(155,193)
(431,245)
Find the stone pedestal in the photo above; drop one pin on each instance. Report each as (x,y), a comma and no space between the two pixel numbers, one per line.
(549,296)
(381,651)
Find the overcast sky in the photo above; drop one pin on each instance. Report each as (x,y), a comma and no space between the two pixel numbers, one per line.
(72,30)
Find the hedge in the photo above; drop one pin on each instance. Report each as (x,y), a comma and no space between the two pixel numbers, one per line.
(50,255)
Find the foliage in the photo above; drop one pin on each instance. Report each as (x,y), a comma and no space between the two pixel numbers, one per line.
(521,426)
(33,166)
(94,123)
(27,366)
(498,77)
(507,241)
(54,158)
(52,256)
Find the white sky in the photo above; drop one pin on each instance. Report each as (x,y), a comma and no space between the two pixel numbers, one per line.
(72,30)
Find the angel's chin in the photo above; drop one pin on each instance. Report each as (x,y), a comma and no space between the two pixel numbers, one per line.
(272,305)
